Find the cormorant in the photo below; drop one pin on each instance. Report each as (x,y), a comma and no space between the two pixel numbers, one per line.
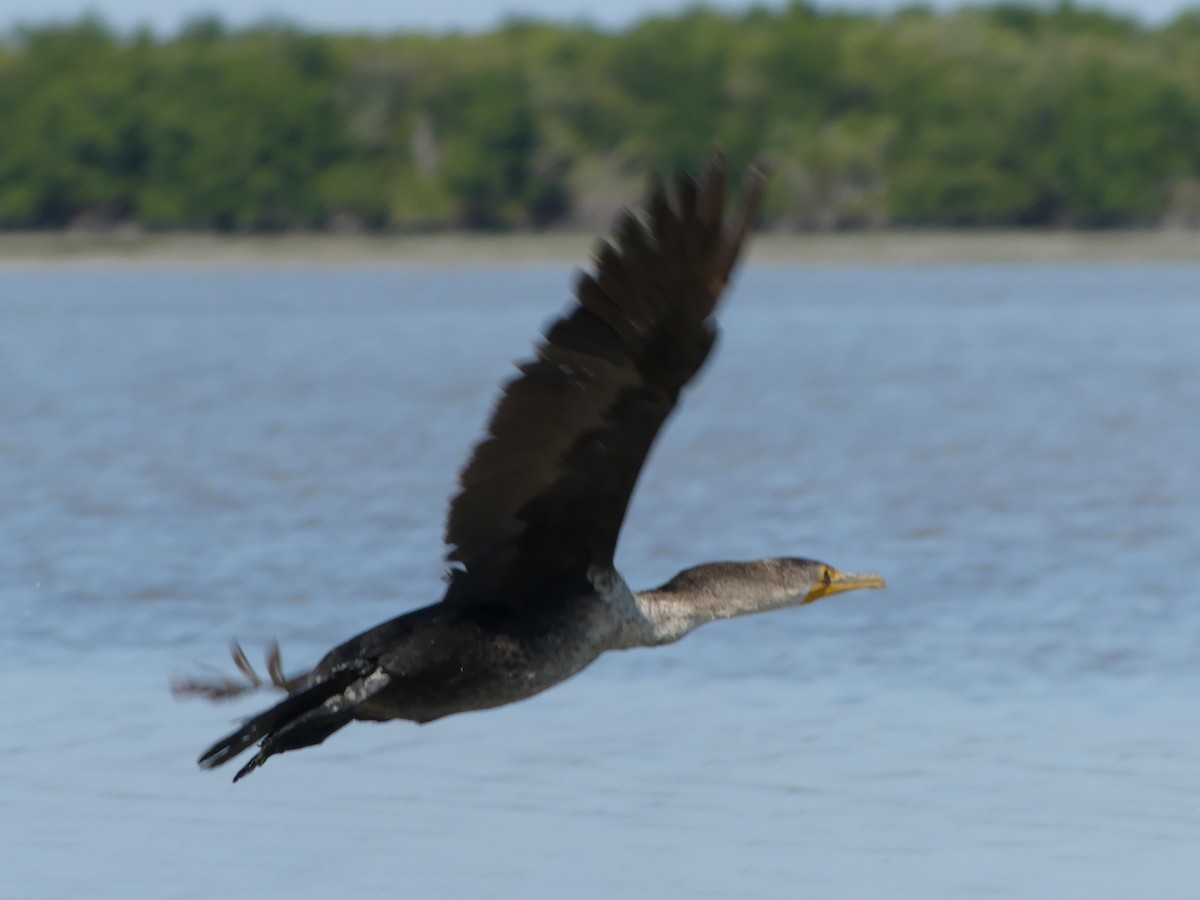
(532,595)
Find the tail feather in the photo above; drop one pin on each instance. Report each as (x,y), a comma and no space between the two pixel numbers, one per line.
(305,718)
(311,728)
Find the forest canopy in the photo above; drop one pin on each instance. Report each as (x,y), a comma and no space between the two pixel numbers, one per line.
(1005,115)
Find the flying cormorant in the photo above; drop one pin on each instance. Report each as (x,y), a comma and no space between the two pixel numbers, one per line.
(532,595)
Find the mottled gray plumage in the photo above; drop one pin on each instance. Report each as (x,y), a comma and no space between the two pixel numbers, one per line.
(533,597)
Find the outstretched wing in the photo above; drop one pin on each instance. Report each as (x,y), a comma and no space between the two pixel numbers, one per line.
(546,490)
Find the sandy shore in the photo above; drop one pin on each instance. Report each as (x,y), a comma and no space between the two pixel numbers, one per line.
(559,248)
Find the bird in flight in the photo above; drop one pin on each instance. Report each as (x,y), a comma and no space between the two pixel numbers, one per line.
(532,595)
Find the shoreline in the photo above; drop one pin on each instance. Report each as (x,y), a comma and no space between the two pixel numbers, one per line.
(883,248)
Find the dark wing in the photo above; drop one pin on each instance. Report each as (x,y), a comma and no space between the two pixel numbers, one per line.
(546,491)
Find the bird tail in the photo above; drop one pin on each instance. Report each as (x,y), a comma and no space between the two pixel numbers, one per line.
(305,718)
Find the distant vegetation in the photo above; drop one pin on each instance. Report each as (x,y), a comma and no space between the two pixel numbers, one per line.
(1011,115)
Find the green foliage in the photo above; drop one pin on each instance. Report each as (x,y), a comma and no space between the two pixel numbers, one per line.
(1012,114)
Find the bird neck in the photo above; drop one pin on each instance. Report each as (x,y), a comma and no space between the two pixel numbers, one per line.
(705,594)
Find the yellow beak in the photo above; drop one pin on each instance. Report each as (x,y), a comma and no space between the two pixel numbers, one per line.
(840,582)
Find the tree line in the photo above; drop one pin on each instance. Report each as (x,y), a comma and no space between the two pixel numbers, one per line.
(1006,115)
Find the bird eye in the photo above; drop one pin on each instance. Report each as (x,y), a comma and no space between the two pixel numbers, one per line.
(827,576)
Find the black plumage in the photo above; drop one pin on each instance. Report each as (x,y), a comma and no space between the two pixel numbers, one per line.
(532,595)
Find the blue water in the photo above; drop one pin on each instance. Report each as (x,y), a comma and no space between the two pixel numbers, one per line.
(188,455)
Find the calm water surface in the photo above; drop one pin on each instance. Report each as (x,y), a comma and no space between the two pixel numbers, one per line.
(189,455)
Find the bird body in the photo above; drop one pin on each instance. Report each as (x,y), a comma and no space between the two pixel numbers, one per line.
(533,596)
(442,660)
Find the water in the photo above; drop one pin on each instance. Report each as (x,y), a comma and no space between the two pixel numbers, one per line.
(189,455)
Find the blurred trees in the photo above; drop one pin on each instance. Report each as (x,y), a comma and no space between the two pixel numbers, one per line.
(1012,114)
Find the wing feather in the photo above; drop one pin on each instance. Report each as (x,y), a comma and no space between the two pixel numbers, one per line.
(546,490)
